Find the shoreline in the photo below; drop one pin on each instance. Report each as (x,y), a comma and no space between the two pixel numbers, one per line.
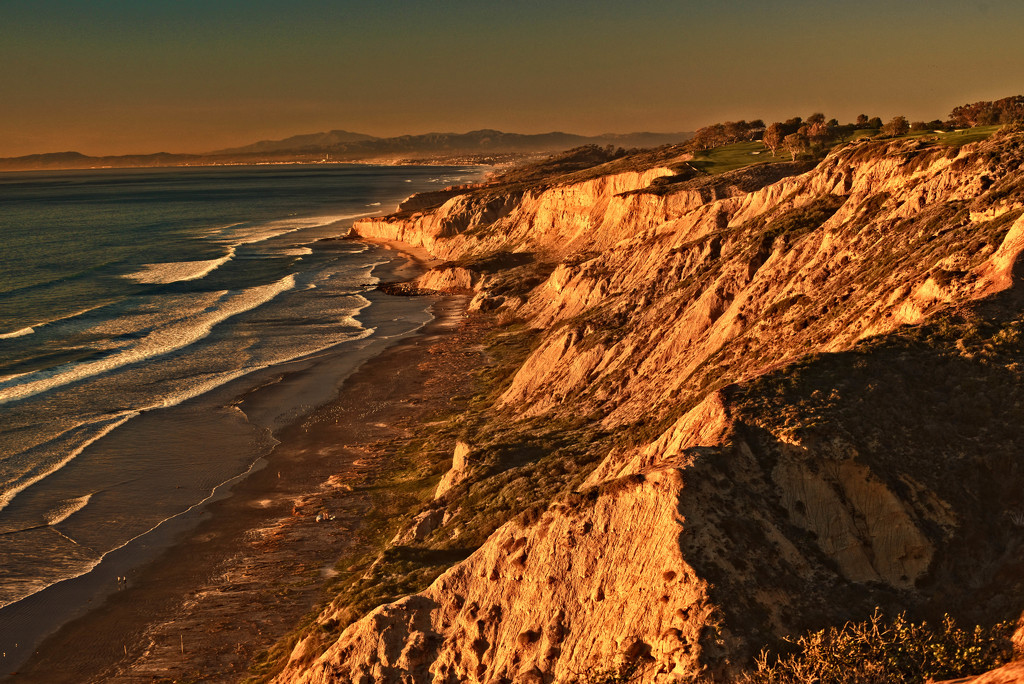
(120,634)
(421,162)
(274,397)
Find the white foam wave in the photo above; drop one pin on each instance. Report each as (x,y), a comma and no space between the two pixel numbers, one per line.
(352,322)
(367,271)
(69,316)
(67,508)
(49,469)
(297,251)
(179,271)
(167,338)
(203,387)
(234,237)
(218,231)
(266,231)
(361,303)
(17,333)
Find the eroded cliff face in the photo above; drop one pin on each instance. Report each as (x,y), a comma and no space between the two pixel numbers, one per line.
(816,385)
(512,611)
(556,221)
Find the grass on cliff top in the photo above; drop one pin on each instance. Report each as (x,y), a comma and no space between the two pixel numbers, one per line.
(727,158)
(731,157)
(719,160)
(958,138)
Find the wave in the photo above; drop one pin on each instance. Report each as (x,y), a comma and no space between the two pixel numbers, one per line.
(45,470)
(368,269)
(178,271)
(6,377)
(69,316)
(297,251)
(164,339)
(234,237)
(34,328)
(252,234)
(67,508)
(17,333)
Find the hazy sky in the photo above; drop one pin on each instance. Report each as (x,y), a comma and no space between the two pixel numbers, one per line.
(122,76)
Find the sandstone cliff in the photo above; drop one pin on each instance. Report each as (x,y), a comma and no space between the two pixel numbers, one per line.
(804,390)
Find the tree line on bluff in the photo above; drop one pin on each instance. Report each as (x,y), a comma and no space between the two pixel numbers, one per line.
(797,135)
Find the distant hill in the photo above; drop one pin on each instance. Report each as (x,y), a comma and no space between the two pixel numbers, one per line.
(344,144)
(298,142)
(77,160)
(482,146)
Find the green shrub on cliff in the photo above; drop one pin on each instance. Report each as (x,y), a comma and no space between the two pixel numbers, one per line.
(883,651)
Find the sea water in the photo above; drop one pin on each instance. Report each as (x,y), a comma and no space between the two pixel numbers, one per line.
(137,307)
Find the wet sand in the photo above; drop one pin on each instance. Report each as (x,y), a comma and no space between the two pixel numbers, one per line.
(258,560)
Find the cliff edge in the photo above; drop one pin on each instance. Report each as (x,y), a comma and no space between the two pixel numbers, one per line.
(748,405)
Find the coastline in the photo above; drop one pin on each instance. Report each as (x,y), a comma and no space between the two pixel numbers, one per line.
(253,545)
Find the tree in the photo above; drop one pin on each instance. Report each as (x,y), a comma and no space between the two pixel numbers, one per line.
(918,126)
(735,131)
(874,122)
(773,136)
(710,136)
(862,121)
(817,117)
(985,113)
(795,143)
(820,133)
(897,126)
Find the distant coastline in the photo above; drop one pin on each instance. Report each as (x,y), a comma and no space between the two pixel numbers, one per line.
(483,147)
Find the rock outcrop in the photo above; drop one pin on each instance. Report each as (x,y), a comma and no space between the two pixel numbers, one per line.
(457,473)
(814,379)
(535,601)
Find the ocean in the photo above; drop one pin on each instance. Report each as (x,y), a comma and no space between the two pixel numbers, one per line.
(138,308)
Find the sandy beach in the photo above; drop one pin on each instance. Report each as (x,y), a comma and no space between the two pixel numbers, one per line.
(257,562)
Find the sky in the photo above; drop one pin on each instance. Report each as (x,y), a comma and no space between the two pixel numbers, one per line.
(140,76)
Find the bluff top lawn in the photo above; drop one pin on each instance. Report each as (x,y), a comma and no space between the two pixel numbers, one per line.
(961,137)
(737,155)
(728,157)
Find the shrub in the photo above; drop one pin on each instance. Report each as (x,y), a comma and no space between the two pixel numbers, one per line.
(881,651)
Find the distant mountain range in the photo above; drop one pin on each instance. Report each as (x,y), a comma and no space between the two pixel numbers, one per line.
(483,146)
(310,141)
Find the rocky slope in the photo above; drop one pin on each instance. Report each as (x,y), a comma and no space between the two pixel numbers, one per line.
(804,390)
